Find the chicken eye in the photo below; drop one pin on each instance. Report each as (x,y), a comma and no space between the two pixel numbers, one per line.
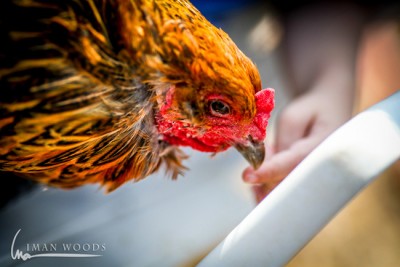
(218,108)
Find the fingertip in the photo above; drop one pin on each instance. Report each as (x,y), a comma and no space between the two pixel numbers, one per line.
(250,177)
(248,170)
(258,176)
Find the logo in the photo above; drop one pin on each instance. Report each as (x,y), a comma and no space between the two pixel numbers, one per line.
(55,250)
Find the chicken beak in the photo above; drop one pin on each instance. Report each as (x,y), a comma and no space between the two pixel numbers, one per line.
(253,152)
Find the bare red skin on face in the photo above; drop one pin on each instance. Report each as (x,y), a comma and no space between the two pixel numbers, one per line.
(220,132)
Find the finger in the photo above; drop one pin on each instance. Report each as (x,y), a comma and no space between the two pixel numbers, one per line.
(281,164)
(269,152)
(274,170)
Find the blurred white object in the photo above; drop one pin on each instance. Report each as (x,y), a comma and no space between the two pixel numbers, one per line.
(315,191)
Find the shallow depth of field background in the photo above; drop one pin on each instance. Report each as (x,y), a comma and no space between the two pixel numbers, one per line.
(159,222)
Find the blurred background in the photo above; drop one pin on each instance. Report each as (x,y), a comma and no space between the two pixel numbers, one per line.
(160,222)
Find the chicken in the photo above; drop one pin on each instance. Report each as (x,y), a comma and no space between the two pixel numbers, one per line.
(105,91)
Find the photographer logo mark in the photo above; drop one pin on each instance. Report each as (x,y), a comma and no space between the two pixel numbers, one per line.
(51,250)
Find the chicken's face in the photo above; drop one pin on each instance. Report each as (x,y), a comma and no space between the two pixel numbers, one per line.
(215,122)
(209,93)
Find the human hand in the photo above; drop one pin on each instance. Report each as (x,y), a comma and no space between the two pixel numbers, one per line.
(302,126)
(319,49)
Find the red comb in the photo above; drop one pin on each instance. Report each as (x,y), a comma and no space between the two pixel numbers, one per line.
(265,100)
(265,104)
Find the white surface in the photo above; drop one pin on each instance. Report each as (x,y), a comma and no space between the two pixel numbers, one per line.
(156,222)
(315,191)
